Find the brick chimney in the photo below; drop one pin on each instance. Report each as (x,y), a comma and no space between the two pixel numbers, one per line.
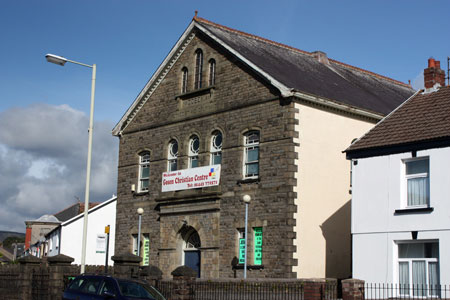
(433,74)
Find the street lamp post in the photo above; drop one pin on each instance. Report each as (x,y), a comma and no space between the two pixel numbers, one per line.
(247,200)
(61,61)
(140,211)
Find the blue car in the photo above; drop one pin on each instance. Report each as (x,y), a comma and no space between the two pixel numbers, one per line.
(94,287)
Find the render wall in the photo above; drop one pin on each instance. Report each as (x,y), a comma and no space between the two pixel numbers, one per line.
(377,193)
(238,102)
(322,228)
(72,235)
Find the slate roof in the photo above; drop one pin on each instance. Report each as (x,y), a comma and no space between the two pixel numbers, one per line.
(424,118)
(72,211)
(294,72)
(301,71)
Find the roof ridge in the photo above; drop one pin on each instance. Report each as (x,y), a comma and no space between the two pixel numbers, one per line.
(66,208)
(202,20)
(199,19)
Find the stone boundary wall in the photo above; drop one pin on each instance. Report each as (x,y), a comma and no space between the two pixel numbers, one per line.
(36,279)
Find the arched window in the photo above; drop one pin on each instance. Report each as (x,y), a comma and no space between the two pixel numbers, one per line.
(216,148)
(198,69)
(251,154)
(194,147)
(212,72)
(172,156)
(184,80)
(144,170)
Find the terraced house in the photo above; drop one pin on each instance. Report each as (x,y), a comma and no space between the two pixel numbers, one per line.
(229,114)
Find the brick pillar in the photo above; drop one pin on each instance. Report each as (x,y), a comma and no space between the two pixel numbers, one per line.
(352,289)
(58,266)
(183,278)
(28,265)
(152,274)
(313,289)
(126,265)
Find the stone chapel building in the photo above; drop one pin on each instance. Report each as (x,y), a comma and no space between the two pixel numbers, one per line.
(229,114)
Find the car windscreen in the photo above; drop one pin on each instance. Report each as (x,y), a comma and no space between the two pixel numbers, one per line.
(134,289)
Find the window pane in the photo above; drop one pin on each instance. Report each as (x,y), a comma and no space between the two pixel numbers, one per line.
(194,162)
(411,250)
(252,155)
(252,138)
(252,169)
(419,278)
(144,185)
(417,166)
(403,270)
(217,158)
(145,171)
(433,278)
(172,165)
(418,191)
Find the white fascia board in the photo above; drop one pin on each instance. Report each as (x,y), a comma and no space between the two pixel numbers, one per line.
(117,129)
(382,120)
(338,106)
(284,90)
(81,215)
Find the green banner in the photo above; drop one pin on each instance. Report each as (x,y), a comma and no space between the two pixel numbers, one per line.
(241,251)
(146,252)
(257,255)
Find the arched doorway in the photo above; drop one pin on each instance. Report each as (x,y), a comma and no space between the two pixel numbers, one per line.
(191,249)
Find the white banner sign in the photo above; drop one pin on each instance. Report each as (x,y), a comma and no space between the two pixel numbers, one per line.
(101,243)
(191,178)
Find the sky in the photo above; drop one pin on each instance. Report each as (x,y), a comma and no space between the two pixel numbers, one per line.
(44,107)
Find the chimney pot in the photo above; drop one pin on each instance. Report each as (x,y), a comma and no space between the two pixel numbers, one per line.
(321,57)
(433,75)
(431,63)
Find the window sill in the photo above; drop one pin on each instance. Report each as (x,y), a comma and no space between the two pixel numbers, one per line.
(403,211)
(195,93)
(249,180)
(140,193)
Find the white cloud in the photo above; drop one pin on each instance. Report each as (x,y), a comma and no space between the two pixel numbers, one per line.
(417,82)
(43,152)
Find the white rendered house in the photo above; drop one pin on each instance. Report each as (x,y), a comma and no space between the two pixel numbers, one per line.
(67,238)
(401,194)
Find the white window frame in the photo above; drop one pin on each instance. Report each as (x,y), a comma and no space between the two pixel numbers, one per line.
(410,272)
(404,196)
(144,162)
(215,150)
(193,153)
(172,157)
(250,145)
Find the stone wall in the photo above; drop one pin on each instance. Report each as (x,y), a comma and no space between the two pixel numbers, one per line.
(239,101)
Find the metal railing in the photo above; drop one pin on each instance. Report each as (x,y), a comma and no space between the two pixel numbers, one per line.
(243,290)
(405,291)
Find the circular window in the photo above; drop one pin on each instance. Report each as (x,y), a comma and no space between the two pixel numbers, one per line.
(173,148)
(195,145)
(217,140)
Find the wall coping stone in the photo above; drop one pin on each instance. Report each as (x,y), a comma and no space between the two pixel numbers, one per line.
(126,259)
(29,260)
(184,271)
(152,271)
(60,259)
